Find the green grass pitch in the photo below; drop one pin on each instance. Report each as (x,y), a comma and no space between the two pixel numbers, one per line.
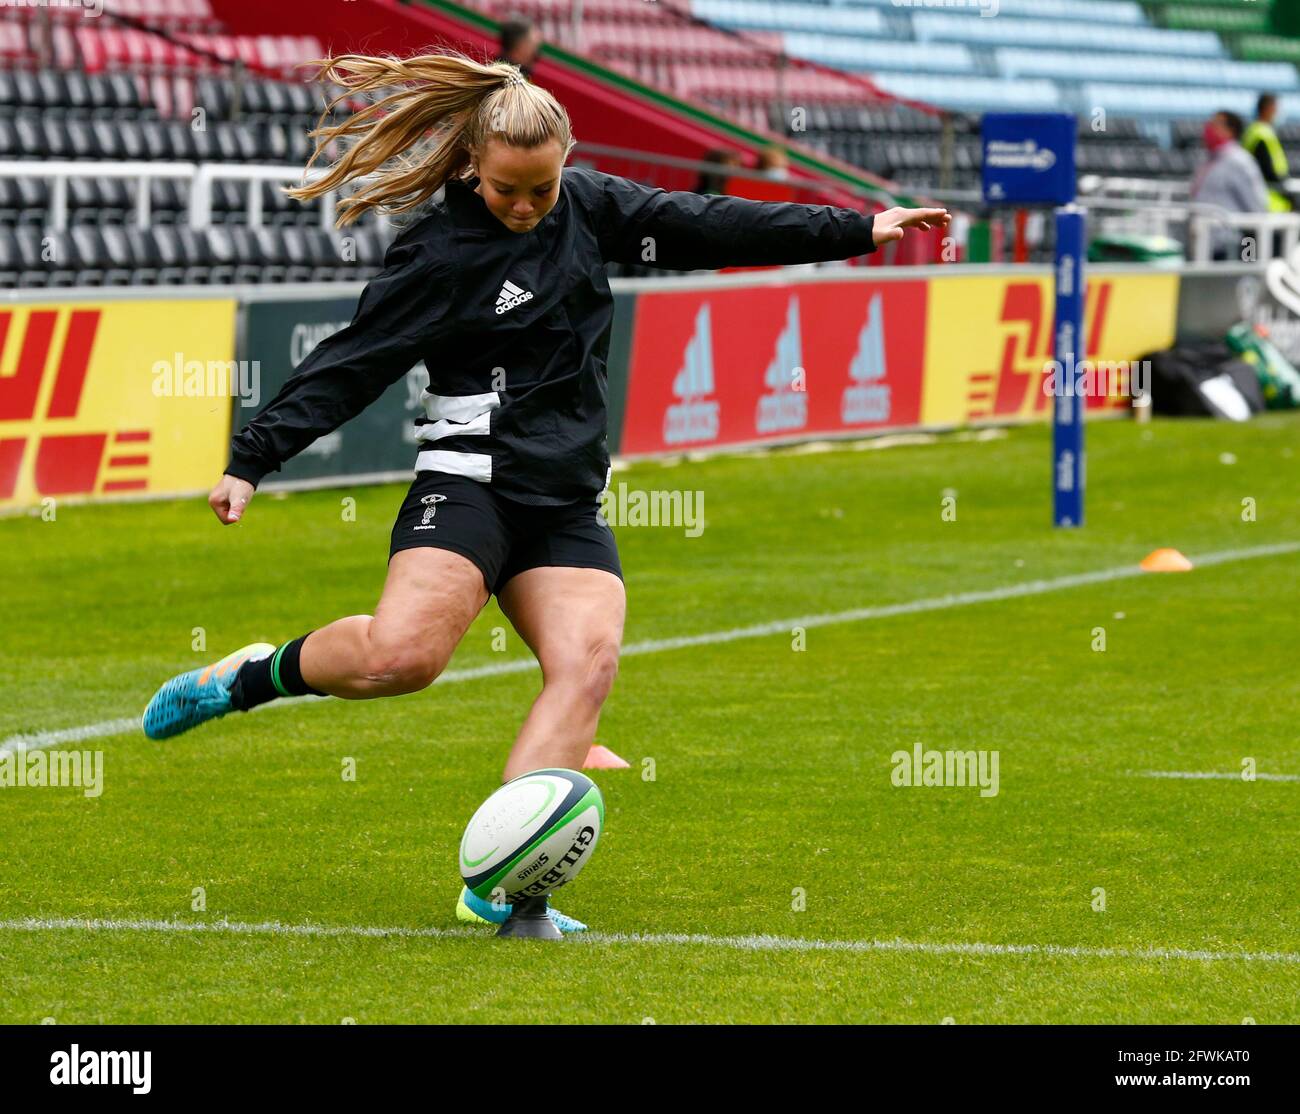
(771,812)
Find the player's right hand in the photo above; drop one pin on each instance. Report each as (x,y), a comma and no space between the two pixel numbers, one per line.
(889,226)
(229,499)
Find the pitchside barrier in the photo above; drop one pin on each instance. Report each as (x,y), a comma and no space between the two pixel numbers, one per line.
(108,394)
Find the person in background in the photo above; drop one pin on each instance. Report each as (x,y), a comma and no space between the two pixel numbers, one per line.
(521,43)
(1229,178)
(1262,143)
(715,181)
(774,185)
(774,162)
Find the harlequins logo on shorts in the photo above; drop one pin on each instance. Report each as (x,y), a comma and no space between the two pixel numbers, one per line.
(511,296)
(430,509)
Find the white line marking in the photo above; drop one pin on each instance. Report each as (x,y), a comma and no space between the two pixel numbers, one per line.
(794,943)
(39,739)
(713,638)
(734,943)
(1207,775)
(233,928)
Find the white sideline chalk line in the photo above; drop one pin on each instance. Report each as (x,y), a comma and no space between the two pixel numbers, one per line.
(1208,775)
(40,739)
(734,943)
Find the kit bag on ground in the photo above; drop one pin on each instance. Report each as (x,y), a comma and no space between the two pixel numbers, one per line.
(1204,378)
(1278,379)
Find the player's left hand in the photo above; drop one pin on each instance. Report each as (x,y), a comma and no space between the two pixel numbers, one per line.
(890,224)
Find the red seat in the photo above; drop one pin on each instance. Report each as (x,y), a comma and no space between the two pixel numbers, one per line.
(13,41)
(160,94)
(63,40)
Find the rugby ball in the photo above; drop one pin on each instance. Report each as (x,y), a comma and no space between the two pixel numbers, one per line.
(532,835)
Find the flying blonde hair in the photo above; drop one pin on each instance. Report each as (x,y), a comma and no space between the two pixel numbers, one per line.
(411,142)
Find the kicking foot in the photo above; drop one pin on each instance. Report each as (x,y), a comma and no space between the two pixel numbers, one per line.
(195,697)
(475,910)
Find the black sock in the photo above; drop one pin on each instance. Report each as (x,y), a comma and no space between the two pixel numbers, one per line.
(276,675)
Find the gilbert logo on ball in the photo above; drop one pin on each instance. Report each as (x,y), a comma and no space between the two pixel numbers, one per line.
(532,835)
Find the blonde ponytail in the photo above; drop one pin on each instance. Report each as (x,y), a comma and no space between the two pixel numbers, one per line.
(412,141)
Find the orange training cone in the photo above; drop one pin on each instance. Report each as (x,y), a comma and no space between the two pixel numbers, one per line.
(602,758)
(1166,560)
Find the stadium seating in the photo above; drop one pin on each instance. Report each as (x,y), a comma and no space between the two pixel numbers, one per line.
(735,64)
(1099,37)
(772,15)
(1155,69)
(730,54)
(163,81)
(885,54)
(906,50)
(1269,48)
(160,255)
(123,93)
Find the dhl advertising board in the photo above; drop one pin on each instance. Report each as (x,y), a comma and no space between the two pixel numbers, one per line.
(989,341)
(782,362)
(99,399)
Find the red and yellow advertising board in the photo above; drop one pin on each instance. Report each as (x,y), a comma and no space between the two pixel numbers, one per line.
(989,341)
(734,365)
(108,398)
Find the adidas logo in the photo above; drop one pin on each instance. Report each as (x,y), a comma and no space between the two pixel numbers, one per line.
(511,296)
(694,416)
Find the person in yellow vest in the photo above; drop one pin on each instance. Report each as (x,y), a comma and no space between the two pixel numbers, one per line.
(1262,143)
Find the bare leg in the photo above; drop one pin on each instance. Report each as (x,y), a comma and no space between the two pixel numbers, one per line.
(572,619)
(430,598)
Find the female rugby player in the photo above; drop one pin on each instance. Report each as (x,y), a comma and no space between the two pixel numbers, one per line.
(500,289)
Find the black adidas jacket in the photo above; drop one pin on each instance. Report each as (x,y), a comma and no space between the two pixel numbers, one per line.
(514,328)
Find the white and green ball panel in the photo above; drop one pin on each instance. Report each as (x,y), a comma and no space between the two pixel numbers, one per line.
(532,835)
(554,861)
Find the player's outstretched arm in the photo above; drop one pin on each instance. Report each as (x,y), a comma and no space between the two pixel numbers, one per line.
(687,231)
